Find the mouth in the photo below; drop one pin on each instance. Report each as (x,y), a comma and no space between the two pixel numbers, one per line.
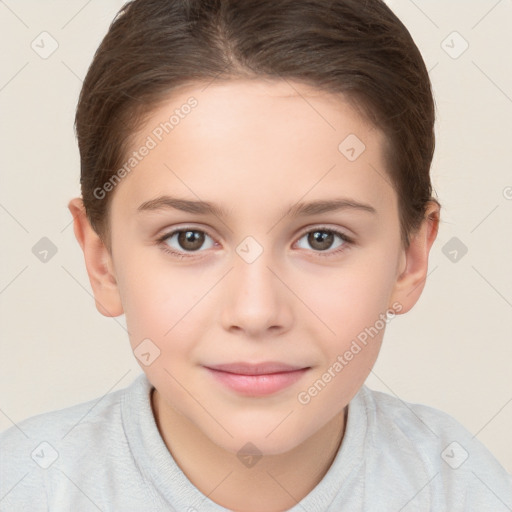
(257,379)
(256,369)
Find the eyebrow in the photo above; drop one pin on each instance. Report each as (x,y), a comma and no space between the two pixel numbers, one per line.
(298,210)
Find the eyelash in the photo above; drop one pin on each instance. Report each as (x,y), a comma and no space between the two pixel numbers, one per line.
(183,255)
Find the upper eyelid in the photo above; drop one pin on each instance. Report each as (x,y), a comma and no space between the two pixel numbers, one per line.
(172,232)
(321,227)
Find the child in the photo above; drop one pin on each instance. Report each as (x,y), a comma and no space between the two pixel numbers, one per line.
(256,200)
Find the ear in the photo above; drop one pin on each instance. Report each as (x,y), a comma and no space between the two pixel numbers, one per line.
(98,262)
(413,267)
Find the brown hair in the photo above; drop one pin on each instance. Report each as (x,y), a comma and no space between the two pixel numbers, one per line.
(359,49)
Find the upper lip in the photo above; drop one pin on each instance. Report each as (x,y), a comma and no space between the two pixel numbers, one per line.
(242,368)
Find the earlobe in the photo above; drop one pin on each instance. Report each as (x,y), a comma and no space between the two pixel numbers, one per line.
(411,278)
(98,262)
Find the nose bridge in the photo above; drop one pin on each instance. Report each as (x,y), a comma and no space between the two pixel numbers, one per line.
(255,300)
(253,281)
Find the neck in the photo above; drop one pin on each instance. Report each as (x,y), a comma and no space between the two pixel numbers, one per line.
(274,483)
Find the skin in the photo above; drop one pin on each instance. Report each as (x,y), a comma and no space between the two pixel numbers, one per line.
(255,148)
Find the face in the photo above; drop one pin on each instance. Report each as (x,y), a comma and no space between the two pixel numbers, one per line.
(296,262)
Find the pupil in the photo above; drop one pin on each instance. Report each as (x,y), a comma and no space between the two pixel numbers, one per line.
(318,240)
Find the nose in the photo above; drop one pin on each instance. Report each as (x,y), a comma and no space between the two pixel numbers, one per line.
(256,302)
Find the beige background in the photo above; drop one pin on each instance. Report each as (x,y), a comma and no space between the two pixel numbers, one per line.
(453,351)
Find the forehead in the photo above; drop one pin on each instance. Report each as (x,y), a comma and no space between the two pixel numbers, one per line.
(244,138)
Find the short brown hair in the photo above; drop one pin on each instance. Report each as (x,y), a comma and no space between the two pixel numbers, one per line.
(359,49)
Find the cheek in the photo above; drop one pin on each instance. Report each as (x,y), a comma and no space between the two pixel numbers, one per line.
(351,297)
(352,302)
(157,298)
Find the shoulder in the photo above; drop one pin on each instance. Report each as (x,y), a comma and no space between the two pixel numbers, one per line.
(61,423)
(32,449)
(422,440)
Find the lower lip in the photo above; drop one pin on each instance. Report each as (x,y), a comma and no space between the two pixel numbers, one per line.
(258,385)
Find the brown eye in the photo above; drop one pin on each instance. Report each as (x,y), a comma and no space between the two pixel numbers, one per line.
(190,240)
(320,240)
(187,240)
(323,239)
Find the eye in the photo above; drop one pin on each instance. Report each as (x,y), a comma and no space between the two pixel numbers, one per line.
(183,241)
(323,239)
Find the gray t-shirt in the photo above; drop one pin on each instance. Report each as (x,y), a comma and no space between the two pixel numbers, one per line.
(107,455)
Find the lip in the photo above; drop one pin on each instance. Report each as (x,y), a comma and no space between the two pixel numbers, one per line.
(242,368)
(257,379)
